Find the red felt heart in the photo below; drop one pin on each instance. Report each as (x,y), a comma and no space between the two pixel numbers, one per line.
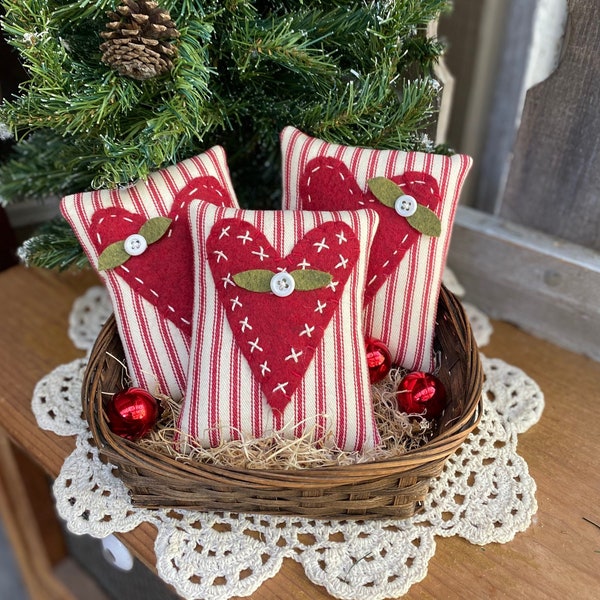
(163,274)
(327,184)
(278,336)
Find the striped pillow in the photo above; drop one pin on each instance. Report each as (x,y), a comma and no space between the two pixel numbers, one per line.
(139,241)
(277,343)
(406,266)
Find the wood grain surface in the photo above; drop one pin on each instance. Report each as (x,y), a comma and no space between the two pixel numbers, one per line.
(555,171)
(549,288)
(557,557)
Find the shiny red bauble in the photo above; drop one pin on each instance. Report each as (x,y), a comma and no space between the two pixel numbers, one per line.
(379,359)
(132,413)
(421,393)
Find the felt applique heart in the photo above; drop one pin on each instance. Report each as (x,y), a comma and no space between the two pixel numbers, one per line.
(327,184)
(279,331)
(162,273)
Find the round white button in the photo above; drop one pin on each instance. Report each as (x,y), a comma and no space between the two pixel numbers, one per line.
(405,205)
(135,244)
(282,284)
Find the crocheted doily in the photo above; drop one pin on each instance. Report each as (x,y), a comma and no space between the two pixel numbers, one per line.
(485,494)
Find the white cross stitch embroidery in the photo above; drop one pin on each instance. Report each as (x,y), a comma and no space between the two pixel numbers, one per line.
(245,325)
(322,245)
(293,355)
(227,280)
(260,253)
(235,302)
(307,331)
(254,346)
(245,238)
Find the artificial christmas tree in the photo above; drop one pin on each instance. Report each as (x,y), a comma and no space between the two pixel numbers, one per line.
(347,72)
(113,132)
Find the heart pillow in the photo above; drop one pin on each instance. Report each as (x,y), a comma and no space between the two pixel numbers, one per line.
(138,240)
(415,195)
(277,342)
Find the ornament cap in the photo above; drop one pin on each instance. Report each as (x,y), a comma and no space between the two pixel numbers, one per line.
(421,394)
(379,359)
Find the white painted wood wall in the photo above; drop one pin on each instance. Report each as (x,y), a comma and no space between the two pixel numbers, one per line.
(526,244)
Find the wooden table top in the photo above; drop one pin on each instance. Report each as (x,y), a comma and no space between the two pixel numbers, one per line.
(557,557)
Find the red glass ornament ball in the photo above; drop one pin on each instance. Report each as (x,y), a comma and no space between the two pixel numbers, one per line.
(132,413)
(421,393)
(379,359)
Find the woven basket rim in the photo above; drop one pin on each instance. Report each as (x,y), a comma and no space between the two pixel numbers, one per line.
(157,468)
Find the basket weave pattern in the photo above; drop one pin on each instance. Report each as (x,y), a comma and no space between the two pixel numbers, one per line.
(393,488)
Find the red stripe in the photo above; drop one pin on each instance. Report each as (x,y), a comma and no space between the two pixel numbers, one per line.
(355,158)
(367,429)
(257,404)
(218,160)
(427,274)
(193,395)
(187,170)
(128,342)
(372,168)
(300,405)
(295,138)
(340,401)
(335,150)
(177,353)
(409,288)
(139,206)
(321,425)
(142,341)
(288,137)
(187,420)
(74,212)
(157,194)
(216,349)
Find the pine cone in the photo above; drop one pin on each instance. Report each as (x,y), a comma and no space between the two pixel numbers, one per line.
(138,39)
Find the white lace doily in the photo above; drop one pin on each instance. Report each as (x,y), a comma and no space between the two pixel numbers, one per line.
(88,315)
(485,494)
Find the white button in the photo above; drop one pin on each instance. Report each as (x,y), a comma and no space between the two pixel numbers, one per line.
(406,206)
(135,244)
(282,284)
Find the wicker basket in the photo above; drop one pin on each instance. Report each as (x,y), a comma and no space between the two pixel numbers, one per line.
(393,488)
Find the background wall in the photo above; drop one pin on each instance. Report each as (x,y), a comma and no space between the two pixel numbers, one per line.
(527,240)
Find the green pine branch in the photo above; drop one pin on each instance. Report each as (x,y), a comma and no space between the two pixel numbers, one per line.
(372,113)
(54,246)
(357,73)
(46,164)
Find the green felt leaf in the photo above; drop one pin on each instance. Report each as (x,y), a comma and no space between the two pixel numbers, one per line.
(112,256)
(255,280)
(309,279)
(153,229)
(425,221)
(259,280)
(385,190)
